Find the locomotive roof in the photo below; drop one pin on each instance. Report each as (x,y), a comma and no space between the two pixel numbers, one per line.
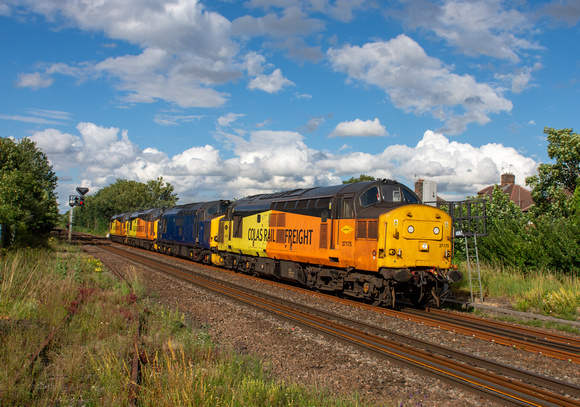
(178,210)
(263,201)
(121,217)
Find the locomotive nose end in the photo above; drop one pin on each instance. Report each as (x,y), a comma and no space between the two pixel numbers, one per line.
(454,276)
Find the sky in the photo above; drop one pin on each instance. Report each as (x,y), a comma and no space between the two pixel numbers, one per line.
(227,98)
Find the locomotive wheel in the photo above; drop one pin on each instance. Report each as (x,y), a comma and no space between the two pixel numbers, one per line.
(386,297)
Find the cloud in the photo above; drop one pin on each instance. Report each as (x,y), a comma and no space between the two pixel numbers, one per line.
(34,80)
(292,22)
(265,161)
(521,79)
(186,49)
(272,83)
(228,119)
(59,147)
(174,120)
(342,10)
(419,83)
(359,128)
(562,10)
(302,96)
(51,114)
(27,119)
(313,124)
(476,27)
(150,76)
(40,116)
(298,49)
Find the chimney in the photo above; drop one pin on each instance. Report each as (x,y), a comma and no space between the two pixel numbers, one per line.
(419,188)
(507,179)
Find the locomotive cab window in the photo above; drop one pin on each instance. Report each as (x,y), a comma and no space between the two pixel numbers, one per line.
(213,210)
(409,197)
(238,226)
(370,197)
(391,193)
(346,210)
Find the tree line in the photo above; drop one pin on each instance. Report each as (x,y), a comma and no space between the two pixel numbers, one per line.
(123,196)
(546,237)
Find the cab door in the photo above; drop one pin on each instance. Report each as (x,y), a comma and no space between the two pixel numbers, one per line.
(342,229)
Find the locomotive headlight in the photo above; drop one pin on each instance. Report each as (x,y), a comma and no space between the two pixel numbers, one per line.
(410,229)
(436,230)
(424,247)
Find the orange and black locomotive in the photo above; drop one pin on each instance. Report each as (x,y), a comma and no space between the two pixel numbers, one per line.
(370,240)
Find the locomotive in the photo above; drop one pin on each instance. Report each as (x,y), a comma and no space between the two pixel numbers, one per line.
(373,240)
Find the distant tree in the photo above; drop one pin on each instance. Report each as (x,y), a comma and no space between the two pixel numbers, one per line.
(27,190)
(555,183)
(125,196)
(362,177)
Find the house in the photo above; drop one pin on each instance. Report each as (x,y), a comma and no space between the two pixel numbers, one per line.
(519,195)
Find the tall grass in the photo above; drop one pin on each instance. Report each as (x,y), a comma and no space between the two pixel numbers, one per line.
(89,361)
(540,291)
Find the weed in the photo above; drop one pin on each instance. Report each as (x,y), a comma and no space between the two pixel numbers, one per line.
(89,361)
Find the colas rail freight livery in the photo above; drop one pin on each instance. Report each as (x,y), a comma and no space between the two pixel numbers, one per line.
(372,240)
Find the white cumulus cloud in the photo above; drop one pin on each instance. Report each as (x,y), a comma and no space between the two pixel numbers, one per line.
(359,128)
(270,83)
(266,161)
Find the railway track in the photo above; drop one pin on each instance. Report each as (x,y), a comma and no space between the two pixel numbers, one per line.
(487,378)
(527,339)
(533,340)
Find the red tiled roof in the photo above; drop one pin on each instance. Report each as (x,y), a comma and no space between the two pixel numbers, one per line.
(519,195)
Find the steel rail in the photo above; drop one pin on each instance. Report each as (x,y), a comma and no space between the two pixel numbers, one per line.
(507,338)
(136,358)
(572,343)
(526,339)
(493,386)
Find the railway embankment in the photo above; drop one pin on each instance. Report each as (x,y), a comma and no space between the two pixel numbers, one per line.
(70,331)
(293,354)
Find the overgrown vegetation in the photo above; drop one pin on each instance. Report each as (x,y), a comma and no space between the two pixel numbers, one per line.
(28,205)
(538,291)
(89,360)
(534,258)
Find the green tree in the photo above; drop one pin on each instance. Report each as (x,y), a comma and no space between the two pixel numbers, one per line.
(28,203)
(507,239)
(500,208)
(555,183)
(362,177)
(124,196)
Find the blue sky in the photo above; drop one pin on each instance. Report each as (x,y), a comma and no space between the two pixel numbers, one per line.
(227,98)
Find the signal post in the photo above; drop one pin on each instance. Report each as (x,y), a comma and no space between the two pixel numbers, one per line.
(75,200)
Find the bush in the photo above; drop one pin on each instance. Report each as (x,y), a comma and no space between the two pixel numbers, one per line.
(544,244)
